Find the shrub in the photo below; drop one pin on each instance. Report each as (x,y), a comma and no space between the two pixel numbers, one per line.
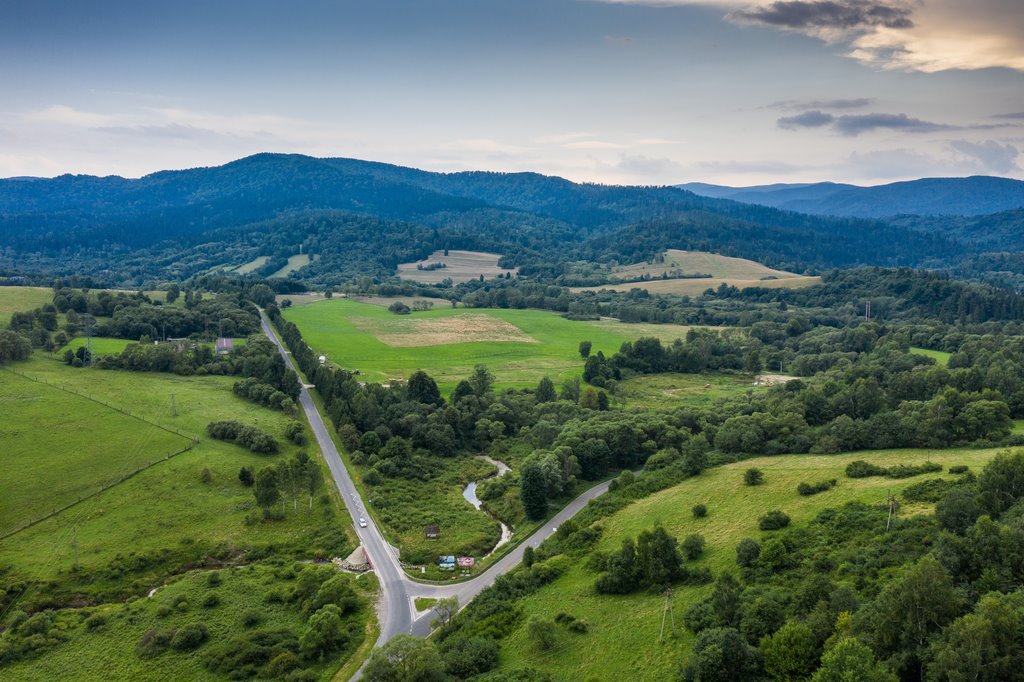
(295,433)
(541,632)
(700,511)
(908,470)
(213,578)
(773,520)
(465,658)
(250,437)
(959,469)
(189,637)
(699,617)
(95,621)
(251,618)
(808,489)
(211,601)
(154,642)
(747,552)
(205,476)
(861,469)
(753,477)
(693,546)
(246,477)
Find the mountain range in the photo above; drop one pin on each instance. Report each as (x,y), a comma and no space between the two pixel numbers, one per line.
(971,196)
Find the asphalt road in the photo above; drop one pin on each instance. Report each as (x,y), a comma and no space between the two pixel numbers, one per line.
(397,612)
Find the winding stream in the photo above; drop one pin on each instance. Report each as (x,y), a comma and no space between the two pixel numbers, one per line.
(469,492)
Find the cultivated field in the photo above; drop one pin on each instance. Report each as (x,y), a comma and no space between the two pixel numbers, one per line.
(519,346)
(462,266)
(677,265)
(698,390)
(623,637)
(21,299)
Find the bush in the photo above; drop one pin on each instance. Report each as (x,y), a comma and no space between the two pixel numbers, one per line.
(189,637)
(773,520)
(154,642)
(211,601)
(699,511)
(251,618)
(465,658)
(861,469)
(541,632)
(693,546)
(250,437)
(808,489)
(699,617)
(95,621)
(753,477)
(959,469)
(908,470)
(245,476)
(747,552)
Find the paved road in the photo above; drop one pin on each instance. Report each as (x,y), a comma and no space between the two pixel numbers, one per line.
(397,611)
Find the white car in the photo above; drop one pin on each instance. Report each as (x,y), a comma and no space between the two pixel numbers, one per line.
(362,522)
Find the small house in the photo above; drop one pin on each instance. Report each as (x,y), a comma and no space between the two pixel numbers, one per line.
(432,532)
(225,346)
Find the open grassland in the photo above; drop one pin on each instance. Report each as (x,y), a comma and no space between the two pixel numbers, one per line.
(623,639)
(101,345)
(22,299)
(87,445)
(697,286)
(672,390)
(251,266)
(677,263)
(295,262)
(941,358)
(461,266)
(108,651)
(166,515)
(534,343)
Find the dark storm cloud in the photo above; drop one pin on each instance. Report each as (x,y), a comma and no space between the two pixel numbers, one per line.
(808,119)
(829,14)
(852,125)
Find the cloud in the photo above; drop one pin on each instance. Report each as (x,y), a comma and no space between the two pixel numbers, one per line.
(828,14)
(1017,115)
(647,167)
(173,131)
(488,146)
(913,35)
(799,105)
(621,41)
(593,144)
(808,119)
(65,115)
(993,156)
(852,125)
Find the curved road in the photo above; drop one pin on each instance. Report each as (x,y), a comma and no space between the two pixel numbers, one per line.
(397,612)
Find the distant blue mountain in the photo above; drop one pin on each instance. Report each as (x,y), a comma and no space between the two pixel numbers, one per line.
(972,196)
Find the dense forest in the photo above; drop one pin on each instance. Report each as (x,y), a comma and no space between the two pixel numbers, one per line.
(362,218)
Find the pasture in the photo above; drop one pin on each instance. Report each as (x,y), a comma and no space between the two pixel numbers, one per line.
(623,637)
(22,299)
(941,358)
(697,390)
(165,516)
(295,262)
(251,266)
(519,346)
(460,266)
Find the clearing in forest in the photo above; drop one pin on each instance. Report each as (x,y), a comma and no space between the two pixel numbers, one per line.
(295,262)
(409,332)
(459,266)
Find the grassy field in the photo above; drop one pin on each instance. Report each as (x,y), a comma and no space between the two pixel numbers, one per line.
(941,357)
(623,638)
(519,346)
(251,266)
(101,345)
(295,262)
(678,262)
(107,652)
(699,390)
(90,446)
(697,286)
(461,266)
(133,533)
(21,299)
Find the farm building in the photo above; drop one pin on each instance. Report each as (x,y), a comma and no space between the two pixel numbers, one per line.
(225,346)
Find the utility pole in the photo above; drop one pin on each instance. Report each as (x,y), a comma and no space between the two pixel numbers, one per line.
(667,611)
(893,505)
(74,541)
(867,311)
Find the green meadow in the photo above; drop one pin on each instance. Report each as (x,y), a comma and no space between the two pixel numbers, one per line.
(167,516)
(941,357)
(519,346)
(672,389)
(622,642)
(21,299)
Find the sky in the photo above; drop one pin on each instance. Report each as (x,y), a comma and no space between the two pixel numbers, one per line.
(736,92)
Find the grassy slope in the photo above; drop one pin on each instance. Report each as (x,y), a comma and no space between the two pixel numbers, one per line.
(941,357)
(167,506)
(701,262)
(326,327)
(672,390)
(21,299)
(295,262)
(695,287)
(623,638)
(462,266)
(83,446)
(108,652)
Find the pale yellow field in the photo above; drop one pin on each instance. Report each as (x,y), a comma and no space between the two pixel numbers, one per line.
(462,266)
(295,262)
(251,266)
(411,332)
(695,287)
(679,263)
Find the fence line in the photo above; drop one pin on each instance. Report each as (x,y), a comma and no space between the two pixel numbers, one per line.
(102,489)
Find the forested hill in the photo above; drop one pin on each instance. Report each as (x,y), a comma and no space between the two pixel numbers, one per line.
(363,217)
(973,196)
